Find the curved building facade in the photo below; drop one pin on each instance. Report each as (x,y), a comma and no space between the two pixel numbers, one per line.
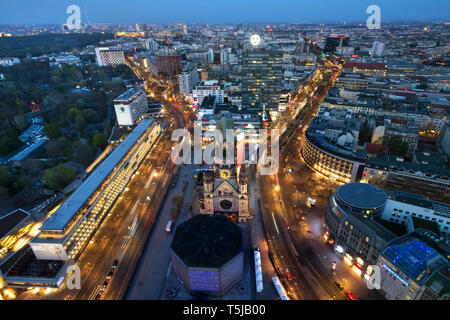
(328,162)
(350,225)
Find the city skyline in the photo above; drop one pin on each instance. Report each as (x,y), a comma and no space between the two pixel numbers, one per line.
(204,12)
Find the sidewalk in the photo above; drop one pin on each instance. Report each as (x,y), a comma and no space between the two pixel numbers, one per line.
(258,238)
(151,273)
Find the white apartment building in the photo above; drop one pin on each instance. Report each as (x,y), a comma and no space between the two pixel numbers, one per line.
(208,88)
(187,80)
(130,106)
(109,57)
(402,205)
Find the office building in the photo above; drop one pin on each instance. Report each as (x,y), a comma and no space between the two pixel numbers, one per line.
(107,57)
(151,45)
(65,234)
(394,173)
(362,220)
(411,269)
(130,106)
(188,79)
(168,66)
(377,49)
(351,227)
(207,88)
(400,69)
(334,41)
(331,145)
(262,75)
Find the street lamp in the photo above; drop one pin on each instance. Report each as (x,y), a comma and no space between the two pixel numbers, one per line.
(277,188)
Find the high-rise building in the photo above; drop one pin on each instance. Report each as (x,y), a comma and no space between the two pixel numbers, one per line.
(377,49)
(262,74)
(188,79)
(130,106)
(334,41)
(169,65)
(151,45)
(109,57)
(185,30)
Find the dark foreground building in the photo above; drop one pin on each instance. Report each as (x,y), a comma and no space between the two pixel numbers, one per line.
(207,254)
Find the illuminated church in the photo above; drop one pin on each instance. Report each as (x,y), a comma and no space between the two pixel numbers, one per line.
(225,190)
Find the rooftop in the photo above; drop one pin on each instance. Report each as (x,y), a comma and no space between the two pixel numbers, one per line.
(207,241)
(10,221)
(68,209)
(129,94)
(412,256)
(362,195)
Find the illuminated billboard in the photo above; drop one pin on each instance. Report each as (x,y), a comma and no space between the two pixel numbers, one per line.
(49,251)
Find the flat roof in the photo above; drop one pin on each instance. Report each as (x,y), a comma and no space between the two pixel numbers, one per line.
(362,195)
(62,216)
(129,94)
(11,220)
(208,241)
(412,256)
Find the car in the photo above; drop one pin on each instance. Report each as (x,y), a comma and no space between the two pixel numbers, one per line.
(104,285)
(333,265)
(98,296)
(110,274)
(350,295)
(115,263)
(288,275)
(340,286)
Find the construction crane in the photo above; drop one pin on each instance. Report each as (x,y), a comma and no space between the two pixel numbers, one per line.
(429,131)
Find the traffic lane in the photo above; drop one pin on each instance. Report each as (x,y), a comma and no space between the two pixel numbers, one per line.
(148,215)
(118,229)
(282,249)
(343,273)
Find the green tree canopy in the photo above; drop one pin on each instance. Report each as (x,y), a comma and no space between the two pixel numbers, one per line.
(59,177)
(99,141)
(52,130)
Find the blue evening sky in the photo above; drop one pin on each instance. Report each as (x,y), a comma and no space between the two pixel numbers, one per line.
(220,11)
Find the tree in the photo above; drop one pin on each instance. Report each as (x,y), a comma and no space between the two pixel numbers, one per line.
(20,122)
(397,146)
(8,144)
(59,177)
(99,141)
(80,123)
(365,134)
(83,153)
(5,177)
(73,113)
(52,130)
